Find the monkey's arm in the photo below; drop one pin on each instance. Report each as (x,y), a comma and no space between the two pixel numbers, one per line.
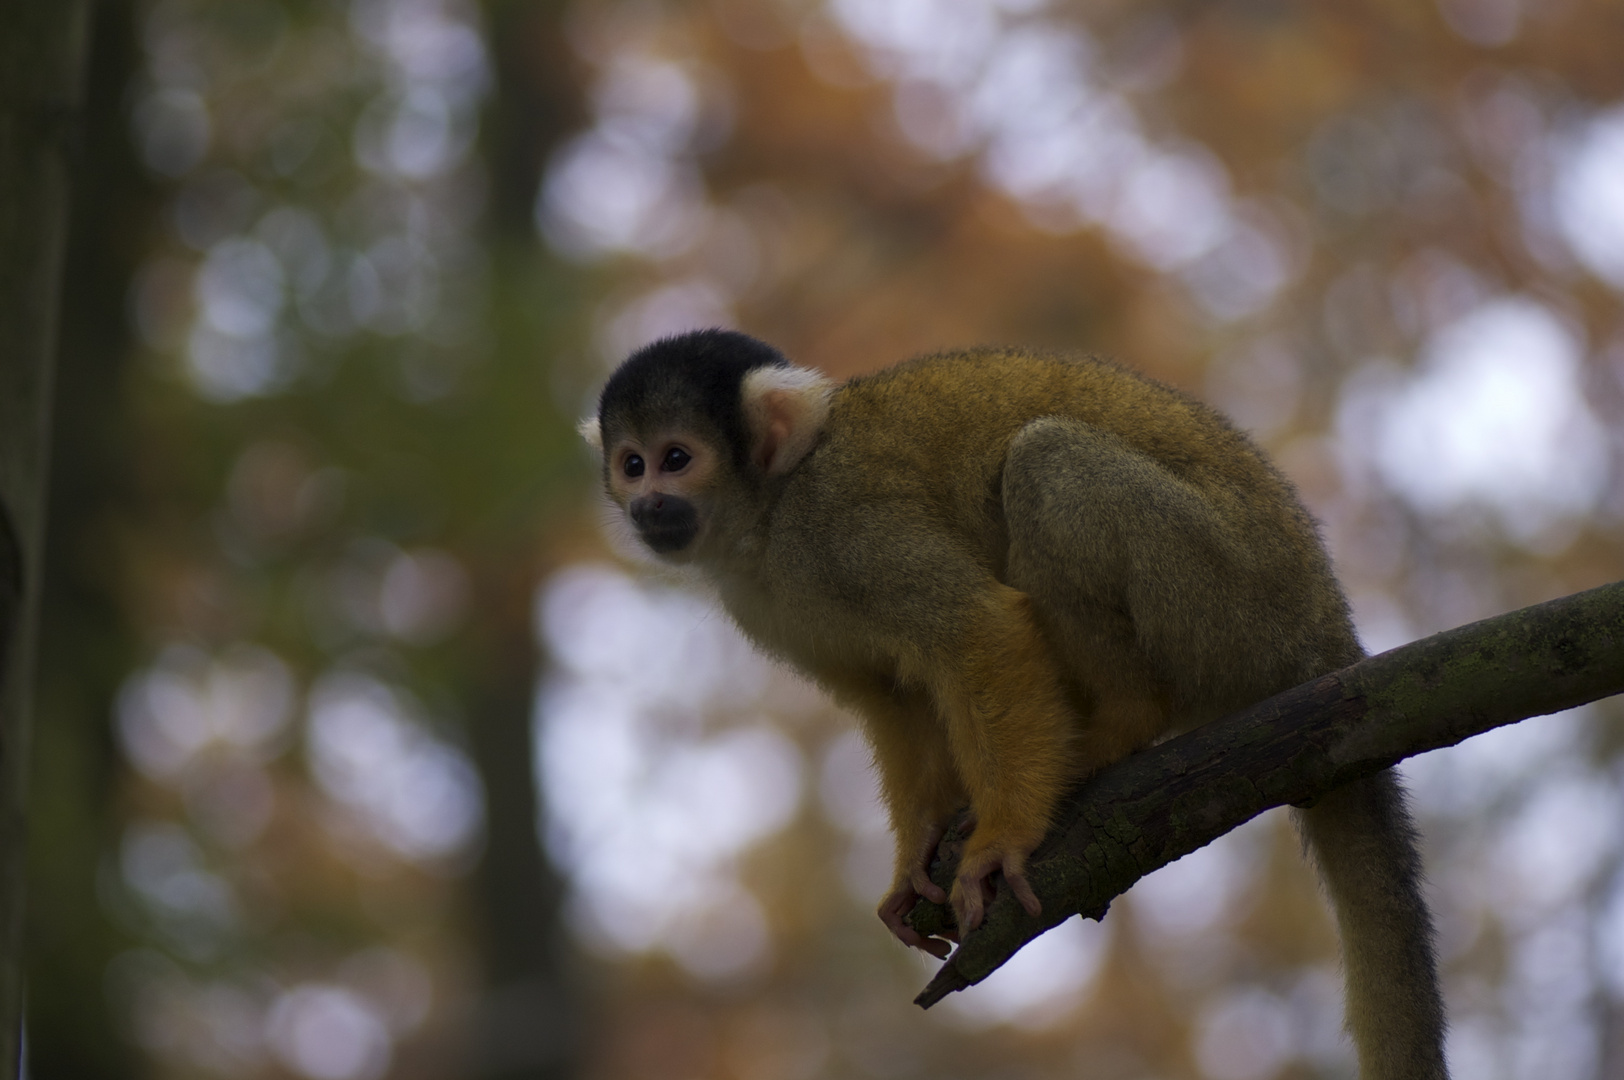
(1166,801)
(918,784)
(963,648)
(1010,727)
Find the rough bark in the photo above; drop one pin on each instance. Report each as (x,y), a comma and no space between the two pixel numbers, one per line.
(1165,802)
(40,47)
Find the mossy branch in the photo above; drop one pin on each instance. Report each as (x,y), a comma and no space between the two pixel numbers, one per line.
(1169,800)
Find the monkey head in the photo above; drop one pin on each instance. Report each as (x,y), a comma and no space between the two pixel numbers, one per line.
(693,430)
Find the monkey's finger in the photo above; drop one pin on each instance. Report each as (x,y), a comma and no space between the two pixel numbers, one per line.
(1023,892)
(927,888)
(914,939)
(893,913)
(968,903)
(919,875)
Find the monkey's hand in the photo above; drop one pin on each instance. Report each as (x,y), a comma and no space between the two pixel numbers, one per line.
(973,886)
(900,901)
(913,883)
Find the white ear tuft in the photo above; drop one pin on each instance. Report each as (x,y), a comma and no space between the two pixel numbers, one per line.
(590,430)
(785,409)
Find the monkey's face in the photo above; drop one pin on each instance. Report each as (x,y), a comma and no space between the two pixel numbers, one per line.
(694,429)
(665,485)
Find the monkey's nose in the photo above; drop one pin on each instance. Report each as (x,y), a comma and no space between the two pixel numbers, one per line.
(667,523)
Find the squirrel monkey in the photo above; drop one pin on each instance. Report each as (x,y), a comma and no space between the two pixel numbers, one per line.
(1016,568)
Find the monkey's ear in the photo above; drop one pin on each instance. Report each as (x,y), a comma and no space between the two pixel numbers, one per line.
(784,408)
(592,432)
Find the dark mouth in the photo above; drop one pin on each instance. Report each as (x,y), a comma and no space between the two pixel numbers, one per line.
(668,540)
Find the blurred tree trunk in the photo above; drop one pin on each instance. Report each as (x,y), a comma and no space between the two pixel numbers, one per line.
(85,643)
(40,46)
(530,1022)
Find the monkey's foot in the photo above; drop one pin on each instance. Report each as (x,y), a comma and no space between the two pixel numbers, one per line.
(973,886)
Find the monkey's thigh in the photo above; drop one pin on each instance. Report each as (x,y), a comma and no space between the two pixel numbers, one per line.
(1128,567)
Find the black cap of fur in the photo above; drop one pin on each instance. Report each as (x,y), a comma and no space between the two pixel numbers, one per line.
(693,376)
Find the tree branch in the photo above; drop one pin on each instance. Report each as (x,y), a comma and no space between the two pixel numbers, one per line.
(1169,800)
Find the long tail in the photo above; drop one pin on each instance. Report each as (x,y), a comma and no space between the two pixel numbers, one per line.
(1362,838)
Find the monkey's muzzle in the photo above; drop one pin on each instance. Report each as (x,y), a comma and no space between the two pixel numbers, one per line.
(667,523)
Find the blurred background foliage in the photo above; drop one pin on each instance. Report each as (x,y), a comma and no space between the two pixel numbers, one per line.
(362,753)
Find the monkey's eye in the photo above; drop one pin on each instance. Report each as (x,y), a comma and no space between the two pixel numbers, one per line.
(632,466)
(675,459)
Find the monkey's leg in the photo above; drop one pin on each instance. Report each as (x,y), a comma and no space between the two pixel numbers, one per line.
(1142,584)
(920,788)
(1094,529)
(1125,563)
(1363,840)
